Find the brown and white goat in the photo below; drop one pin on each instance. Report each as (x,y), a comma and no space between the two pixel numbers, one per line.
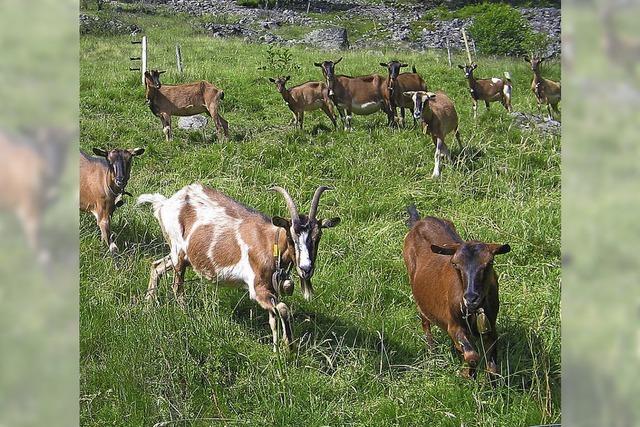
(397,84)
(308,96)
(454,285)
(488,90)
(184,100)
(103,180)
(362,95)
(439,118)
(227,242)
(547,91)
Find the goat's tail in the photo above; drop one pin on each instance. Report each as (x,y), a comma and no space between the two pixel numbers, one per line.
(507,75)
(414,216)
(413,69)
(155,199)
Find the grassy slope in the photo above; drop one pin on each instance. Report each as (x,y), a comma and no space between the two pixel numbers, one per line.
(361,359)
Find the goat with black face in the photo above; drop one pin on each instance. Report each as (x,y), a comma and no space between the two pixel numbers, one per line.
(454,285)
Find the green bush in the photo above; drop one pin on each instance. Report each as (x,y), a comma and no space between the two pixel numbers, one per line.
(257,3)
(499,29)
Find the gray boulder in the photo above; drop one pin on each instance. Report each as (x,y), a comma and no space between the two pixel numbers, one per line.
(196,122)
(328,38)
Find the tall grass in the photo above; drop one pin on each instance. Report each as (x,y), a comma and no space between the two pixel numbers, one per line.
(360,357)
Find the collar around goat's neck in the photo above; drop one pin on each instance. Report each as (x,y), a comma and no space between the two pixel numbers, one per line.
(282,253)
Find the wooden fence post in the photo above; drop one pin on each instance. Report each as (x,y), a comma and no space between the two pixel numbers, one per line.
(179,59)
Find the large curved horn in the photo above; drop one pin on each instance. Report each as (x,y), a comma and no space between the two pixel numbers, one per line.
(293,210)
(316,200)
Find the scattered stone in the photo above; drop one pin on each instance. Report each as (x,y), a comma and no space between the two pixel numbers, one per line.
(328,38)
(537,122)
(196,122)
(96,25)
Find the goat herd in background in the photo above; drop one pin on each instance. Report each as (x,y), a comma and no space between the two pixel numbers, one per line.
(453,281)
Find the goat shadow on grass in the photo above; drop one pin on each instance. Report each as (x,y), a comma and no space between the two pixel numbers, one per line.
(135,235)
(467,157)
(311,329)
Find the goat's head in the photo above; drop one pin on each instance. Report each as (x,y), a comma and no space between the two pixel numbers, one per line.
(472,260)
(304,232)
(468,69)
(152,78)
(394,70)
(280,83)
(119,163)
(420,98)
(329,73)
(535,63)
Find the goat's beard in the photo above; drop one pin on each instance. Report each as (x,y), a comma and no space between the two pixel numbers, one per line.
(307,288)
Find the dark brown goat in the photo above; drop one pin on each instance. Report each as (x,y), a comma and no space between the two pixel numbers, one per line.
(547,91)
(488,90)
(454,285)
(184,100)
(308,96)
(397,84)
(103,181)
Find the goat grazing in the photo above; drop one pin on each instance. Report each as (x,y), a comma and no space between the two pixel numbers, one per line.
(103,181)
(488,90)
(184,100)
(547,91)
(454,285)
(230,243)
(439,118)
(308,96)
(397,84)
(362,95)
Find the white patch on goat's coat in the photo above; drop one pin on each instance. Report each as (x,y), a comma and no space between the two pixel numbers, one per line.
(304,259)
(496,80)
(365,108)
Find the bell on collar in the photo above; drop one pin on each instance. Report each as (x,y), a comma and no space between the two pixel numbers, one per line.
(119,200)
(482,322)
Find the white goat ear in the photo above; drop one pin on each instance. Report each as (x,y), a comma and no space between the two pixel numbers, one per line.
(431,96)
(136,151)
(409,94)
(100,152)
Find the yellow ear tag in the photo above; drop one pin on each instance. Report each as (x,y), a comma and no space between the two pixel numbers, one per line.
(482,322)
(275,250)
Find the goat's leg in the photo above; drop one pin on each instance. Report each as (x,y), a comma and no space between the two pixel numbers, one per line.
(348,120)
(31,219)
(463,345)
(300,119)
(166,125)
(178,279)
(104,223)
(475,109)
(487,104)
(490,347)
(269,302)
(436,159)
(222,126)
(402,122)
(158,269)
(342,117)
(459,138)
(426,327)
(327,110)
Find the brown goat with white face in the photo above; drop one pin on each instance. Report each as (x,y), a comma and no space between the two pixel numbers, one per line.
(547,91)
(184,100)
(397,84)
(103,180)
(454,285)
(488,90)
(308,96)
(439,118)
(229,243)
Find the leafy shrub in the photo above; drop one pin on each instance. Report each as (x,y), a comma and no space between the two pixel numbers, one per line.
(279,61)
(257,3)
(500,29)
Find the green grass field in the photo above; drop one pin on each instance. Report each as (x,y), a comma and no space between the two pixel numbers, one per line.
(360,357)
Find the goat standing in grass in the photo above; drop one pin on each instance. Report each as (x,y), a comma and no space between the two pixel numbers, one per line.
(397,84)
(547,91)
(454,286)
(488,90)
(439,118)
(184,100)
(308,96)
(229,243)
(103,180)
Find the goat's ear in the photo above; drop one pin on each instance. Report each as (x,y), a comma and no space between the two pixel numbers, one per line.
(527,59)
(100,152)
(330,223)
(474,66)
(286,79)
(272,80)
(281,222)
(431,96)
(162,72)
(404,65)
(317,64)
(445,250)
(498,249)
(409,94)
(382,64)
(461,67)
(335,62)
(136,151)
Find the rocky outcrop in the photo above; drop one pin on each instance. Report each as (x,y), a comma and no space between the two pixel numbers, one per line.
(328,39)
(96,25)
